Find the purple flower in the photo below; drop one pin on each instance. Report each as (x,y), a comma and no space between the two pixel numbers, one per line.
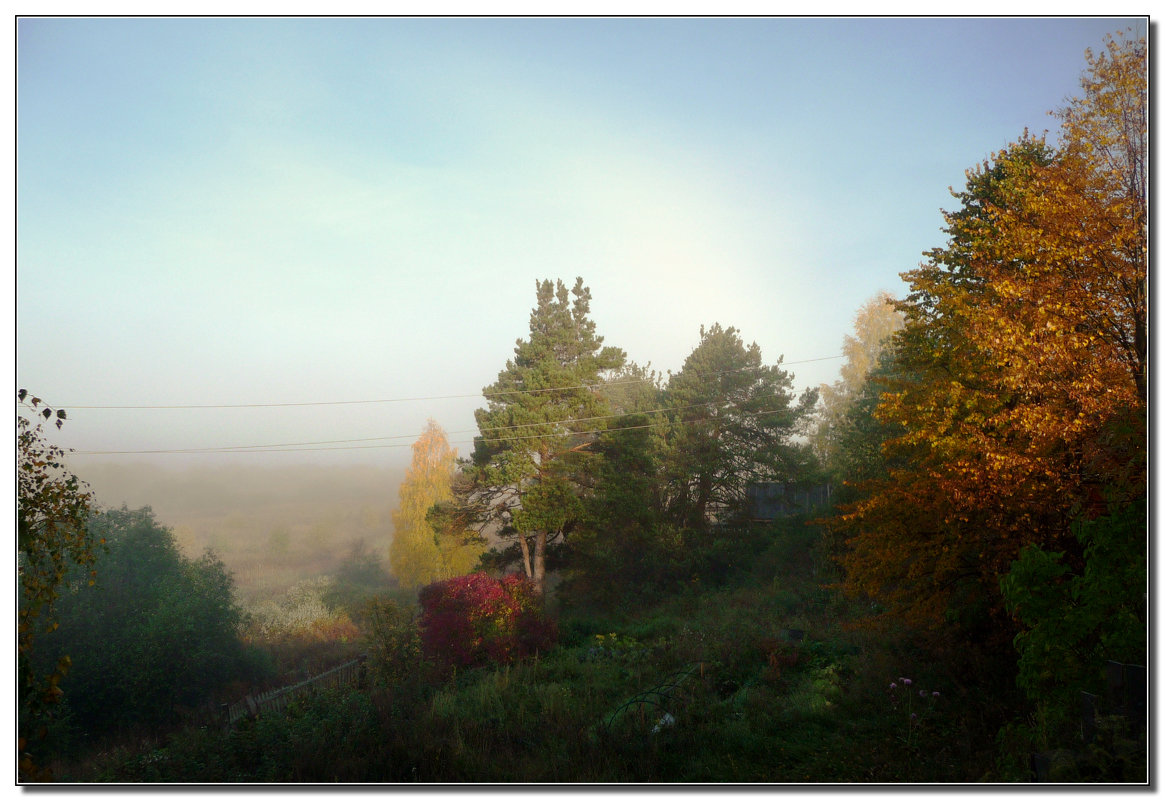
(906,682)
(935,694)
(922,693)
(914,716)
(893,686)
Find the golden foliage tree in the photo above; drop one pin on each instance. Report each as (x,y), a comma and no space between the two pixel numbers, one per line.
(1022,364)
(420,554)
(874,323)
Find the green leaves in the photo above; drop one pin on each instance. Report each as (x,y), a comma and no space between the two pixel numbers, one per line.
(1074,621)
(52,537)
(156,630)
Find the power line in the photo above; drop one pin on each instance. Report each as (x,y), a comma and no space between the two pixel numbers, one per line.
(345,447)
(276,447)
(498,393)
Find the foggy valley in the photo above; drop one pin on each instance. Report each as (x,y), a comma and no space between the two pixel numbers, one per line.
(273,526)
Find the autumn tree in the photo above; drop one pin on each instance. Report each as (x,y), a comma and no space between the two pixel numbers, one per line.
(733,423)
(52,511)
(874,323)
(420,553)
(1021,404)
(539,420)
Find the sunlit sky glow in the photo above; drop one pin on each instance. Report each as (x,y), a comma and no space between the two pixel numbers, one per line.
(228,211)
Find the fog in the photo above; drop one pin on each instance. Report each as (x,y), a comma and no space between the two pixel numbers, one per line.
(271,525)
(276,212)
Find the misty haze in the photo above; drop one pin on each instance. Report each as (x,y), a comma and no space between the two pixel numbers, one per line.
(582,400)
(273,526)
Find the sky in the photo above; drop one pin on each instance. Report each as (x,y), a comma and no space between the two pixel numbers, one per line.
(229,212)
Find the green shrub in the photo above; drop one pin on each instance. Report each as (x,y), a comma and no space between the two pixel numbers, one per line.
(155,637)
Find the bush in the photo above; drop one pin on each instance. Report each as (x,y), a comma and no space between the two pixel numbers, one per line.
(471,620)
(154,637)
(302,632)
(358,578)
(395,660)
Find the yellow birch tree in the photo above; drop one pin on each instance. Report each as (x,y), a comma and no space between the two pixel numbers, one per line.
(419,554)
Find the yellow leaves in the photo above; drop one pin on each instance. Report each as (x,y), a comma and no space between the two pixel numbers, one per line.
(1026,338)
(418,554)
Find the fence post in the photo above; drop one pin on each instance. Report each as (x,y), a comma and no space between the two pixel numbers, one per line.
(1088,716)
(1135,693)
(1115,691)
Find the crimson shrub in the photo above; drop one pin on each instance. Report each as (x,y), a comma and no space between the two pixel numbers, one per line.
(470,620)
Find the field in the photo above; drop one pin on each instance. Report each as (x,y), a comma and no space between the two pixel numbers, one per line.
(273,527)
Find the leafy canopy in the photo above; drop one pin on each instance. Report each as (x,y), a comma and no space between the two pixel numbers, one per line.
(421,553)
(52,509)
(1022,398)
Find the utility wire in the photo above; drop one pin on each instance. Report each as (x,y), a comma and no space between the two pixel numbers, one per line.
(276,447)
(498,393)
(280,449)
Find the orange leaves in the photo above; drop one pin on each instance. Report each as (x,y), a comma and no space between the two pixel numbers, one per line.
(1023,360)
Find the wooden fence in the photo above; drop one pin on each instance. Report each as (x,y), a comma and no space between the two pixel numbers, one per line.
(273,700)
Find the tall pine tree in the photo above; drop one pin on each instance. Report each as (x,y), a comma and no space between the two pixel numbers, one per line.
(733,422)
(531,459)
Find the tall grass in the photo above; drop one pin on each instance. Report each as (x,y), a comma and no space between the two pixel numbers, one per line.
(786,691)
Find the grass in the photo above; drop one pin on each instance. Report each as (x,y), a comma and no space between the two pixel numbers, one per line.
(763,705)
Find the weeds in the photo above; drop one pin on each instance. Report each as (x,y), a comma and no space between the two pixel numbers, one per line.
(786,694)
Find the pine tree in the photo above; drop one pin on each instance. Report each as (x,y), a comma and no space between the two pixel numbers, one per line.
(734,418)
(538,422)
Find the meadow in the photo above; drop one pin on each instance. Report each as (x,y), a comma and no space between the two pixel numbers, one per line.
(760,676)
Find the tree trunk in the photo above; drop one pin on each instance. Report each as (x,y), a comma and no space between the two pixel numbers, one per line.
(539,561)
(525,546)
(703,498)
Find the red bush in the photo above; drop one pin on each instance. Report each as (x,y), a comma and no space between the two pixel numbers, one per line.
(469,620)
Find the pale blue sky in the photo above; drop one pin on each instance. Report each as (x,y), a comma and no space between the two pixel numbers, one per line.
(280,211)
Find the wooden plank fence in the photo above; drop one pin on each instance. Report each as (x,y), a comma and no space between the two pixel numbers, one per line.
(351,672)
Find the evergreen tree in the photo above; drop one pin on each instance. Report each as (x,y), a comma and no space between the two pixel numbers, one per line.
(734,419)
(539,420)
